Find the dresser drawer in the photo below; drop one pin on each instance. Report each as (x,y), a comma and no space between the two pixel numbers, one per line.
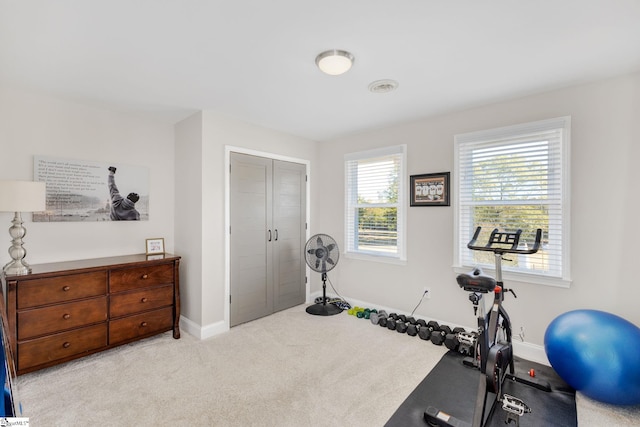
(141,277)
(58,346)
(134,302)
(46,320)
(147,323)
(32,293)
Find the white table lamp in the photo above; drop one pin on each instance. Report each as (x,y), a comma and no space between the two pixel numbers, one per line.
(17,197)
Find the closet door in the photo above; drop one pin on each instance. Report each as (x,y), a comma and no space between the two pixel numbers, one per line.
(268,229)
(289,223)
(251,236)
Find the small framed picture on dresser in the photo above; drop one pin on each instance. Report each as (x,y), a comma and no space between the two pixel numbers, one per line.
(155,246)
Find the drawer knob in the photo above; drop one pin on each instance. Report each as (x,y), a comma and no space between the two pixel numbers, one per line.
(66,316)
(66,288)
(67,344)
(143,300)
(143,324)
(145,276)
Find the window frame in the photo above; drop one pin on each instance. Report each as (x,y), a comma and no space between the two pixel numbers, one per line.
(563,279)
(349,250)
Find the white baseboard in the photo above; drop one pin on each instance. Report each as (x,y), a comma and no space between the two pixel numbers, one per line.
(525,350)
(203,332)
(532,352)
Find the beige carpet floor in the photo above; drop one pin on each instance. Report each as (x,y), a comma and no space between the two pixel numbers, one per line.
(288,369)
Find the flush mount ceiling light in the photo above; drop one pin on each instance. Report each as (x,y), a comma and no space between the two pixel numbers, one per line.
(335,62)
(383,86)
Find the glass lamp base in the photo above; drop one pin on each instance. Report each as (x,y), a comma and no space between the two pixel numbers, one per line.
(16,267)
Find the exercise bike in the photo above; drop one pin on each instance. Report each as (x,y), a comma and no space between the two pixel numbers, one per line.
(494,353)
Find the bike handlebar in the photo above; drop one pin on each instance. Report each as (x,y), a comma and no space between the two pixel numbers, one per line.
(505,238)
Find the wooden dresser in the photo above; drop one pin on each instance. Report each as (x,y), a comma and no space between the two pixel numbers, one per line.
(63,311)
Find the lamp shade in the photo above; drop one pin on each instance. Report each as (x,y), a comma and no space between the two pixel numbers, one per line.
(22,196)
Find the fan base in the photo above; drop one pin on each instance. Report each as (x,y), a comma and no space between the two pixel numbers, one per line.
(323,309)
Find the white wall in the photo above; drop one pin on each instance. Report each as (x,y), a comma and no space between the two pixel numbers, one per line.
(605,233)
(36,124)
(605,149)
(188,196)
(217,132)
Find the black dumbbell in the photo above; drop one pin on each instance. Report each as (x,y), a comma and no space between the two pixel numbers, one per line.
(383,322)
(414,326)
(382,317)
(425,330)
(391,322)
(403,326)
(399,318)
(411,326)
(438,337)
(451,340)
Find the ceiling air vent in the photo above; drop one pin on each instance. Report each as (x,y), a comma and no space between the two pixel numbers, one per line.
(383,86)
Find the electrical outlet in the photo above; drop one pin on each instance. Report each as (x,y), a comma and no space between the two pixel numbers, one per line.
(427,293)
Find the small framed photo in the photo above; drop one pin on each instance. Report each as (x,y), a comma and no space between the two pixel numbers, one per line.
(155,246)
(431,189)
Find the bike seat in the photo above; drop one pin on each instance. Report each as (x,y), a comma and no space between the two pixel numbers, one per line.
(476,281)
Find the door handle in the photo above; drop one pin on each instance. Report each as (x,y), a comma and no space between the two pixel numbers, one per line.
(276,239)
(269,236)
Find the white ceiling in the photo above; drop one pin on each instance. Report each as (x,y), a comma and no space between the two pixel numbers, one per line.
(254,59)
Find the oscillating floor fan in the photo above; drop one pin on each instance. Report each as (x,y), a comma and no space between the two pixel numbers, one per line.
(322,254)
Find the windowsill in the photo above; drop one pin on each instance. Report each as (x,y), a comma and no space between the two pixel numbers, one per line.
(375,258)
(510,276)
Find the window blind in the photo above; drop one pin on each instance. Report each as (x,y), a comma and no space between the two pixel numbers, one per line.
(515,178)
(374,202)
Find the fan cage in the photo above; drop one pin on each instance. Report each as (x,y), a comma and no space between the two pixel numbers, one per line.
(321,253)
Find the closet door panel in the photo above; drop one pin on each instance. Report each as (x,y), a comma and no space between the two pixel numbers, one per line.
(289,218)
(251,273)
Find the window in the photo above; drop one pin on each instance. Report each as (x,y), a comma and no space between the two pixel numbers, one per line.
(516,178)
(375,203)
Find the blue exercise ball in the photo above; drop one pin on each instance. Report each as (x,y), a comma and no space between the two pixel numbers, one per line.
(597,353)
